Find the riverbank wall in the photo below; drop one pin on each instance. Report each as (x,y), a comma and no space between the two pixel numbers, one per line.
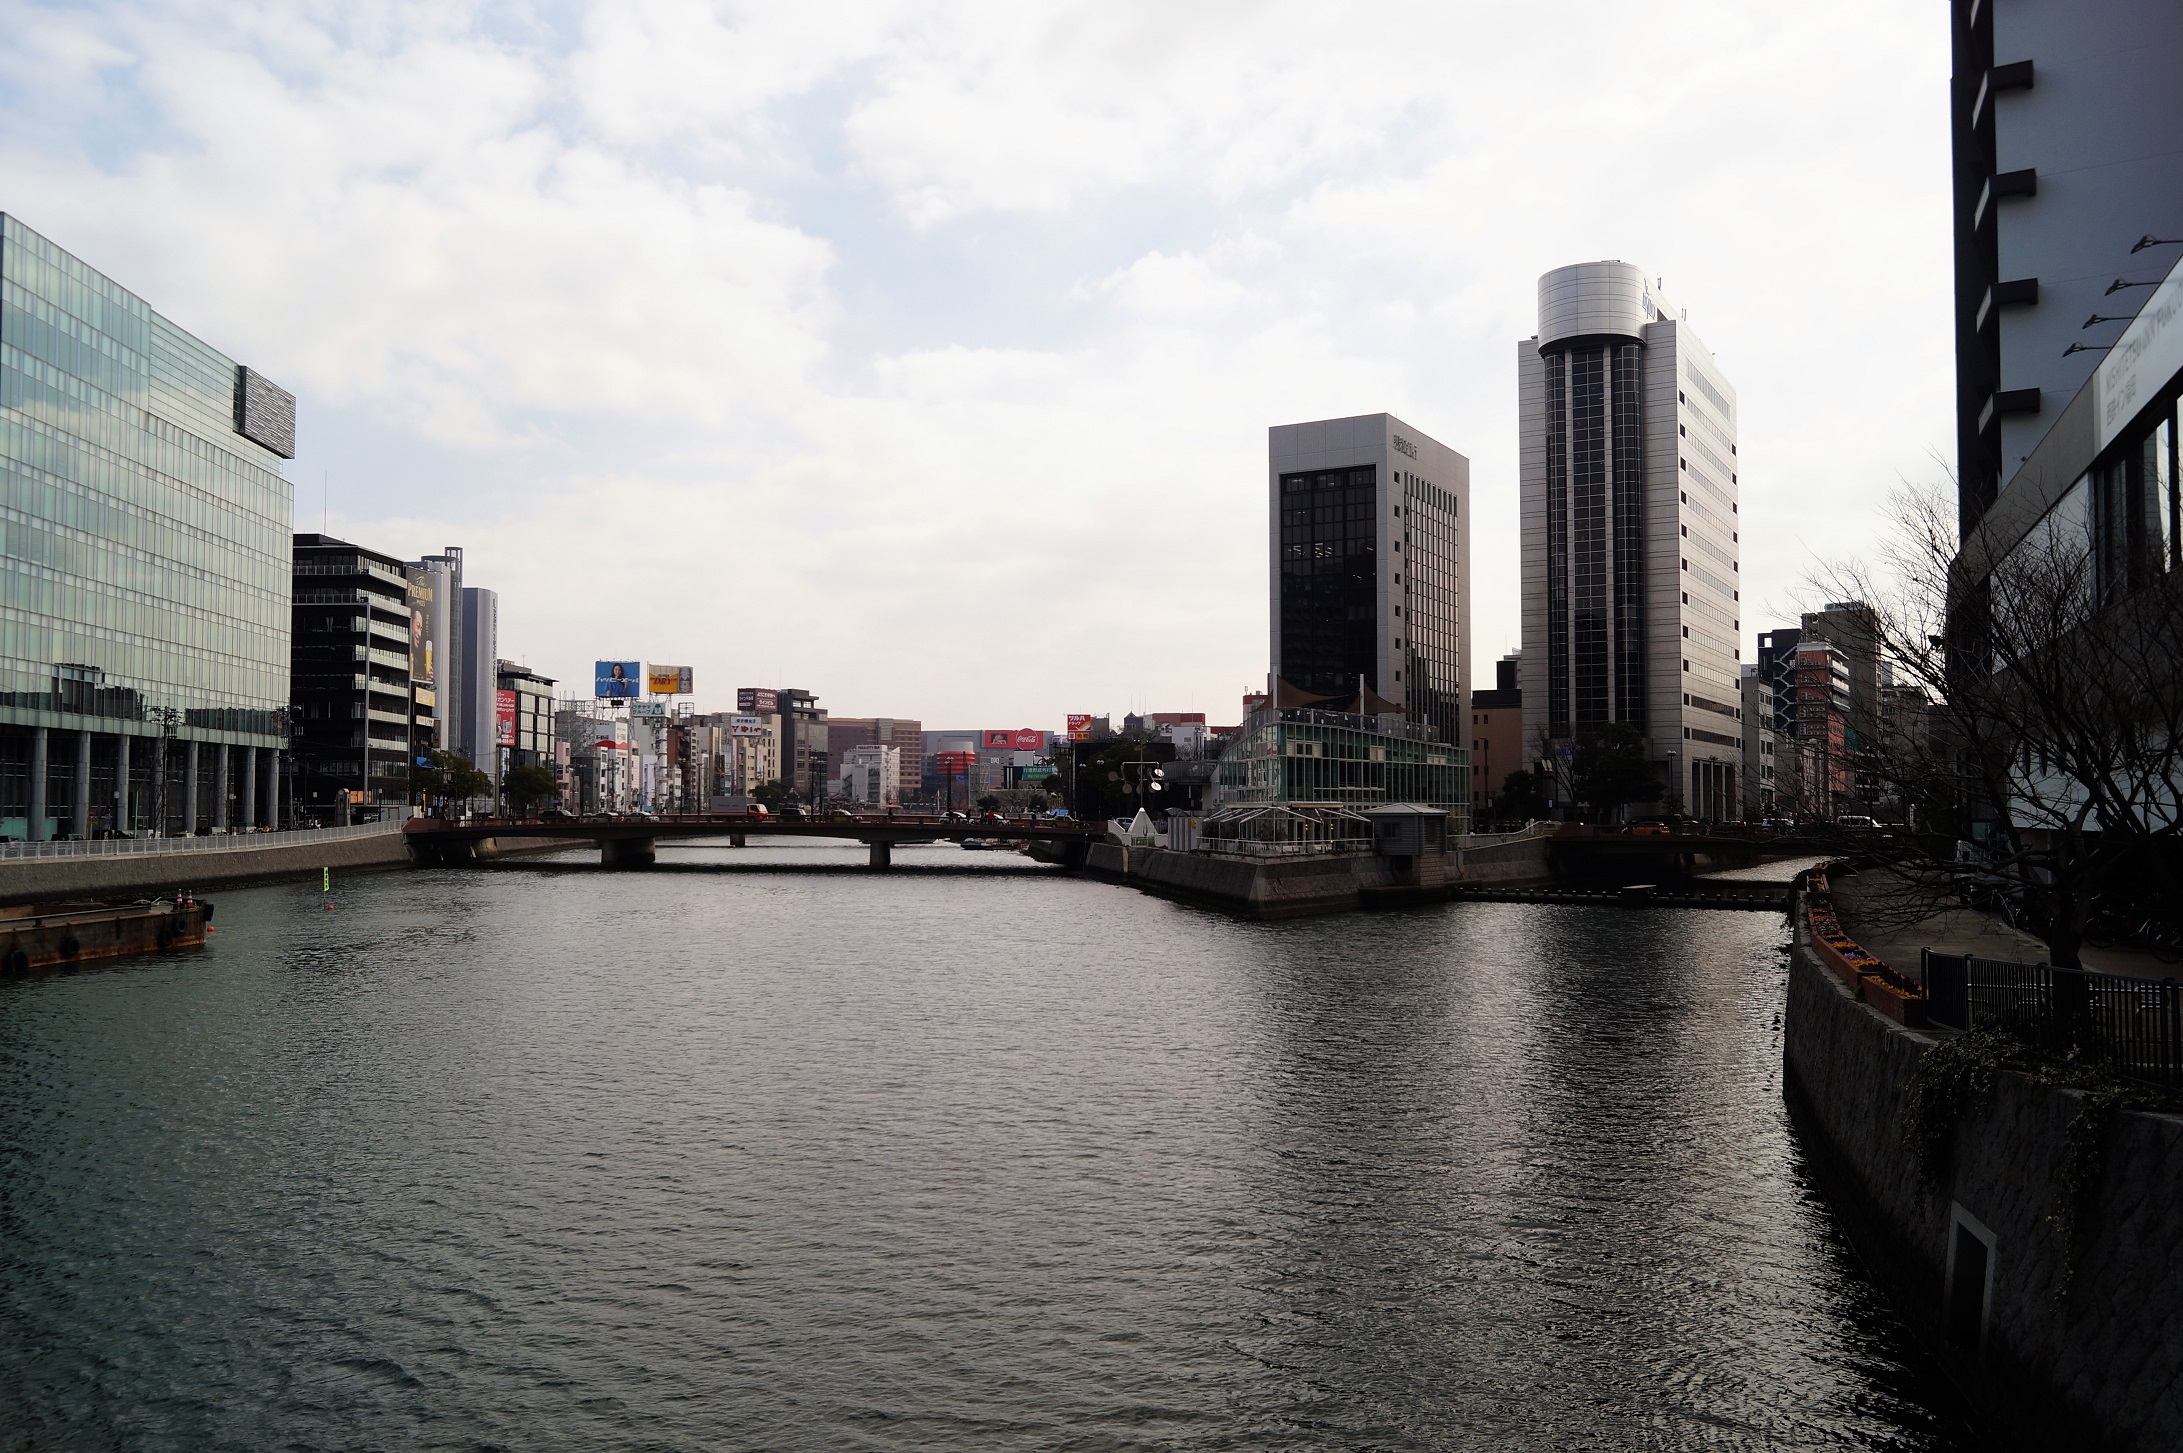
(243,858)
(1304,886)
(2059,1338)
(208,863)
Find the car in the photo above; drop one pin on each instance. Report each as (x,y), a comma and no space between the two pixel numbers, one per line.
(756,809)
(793,812)
(1854,821)
(953,816)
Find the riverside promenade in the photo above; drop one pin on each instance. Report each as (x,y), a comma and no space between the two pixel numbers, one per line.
(126,867)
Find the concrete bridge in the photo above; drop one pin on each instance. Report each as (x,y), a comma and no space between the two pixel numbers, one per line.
(629,840)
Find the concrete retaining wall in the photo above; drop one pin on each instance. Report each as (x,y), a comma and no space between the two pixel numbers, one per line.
(1523,863)
(2101,1367)
(130,875)
(1299,887)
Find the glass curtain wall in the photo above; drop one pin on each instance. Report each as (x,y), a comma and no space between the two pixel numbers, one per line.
(1329,579)
(143,547)
(1595,647)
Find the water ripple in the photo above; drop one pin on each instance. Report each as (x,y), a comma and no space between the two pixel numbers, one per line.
(674,1161)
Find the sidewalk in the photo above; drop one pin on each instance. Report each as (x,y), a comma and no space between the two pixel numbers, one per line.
(1859,903)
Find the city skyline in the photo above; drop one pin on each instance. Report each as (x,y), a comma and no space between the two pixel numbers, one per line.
(720,332)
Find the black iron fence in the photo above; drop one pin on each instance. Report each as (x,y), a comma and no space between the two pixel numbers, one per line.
(2133,1027)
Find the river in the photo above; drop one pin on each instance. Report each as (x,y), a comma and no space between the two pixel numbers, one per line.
(546,1157)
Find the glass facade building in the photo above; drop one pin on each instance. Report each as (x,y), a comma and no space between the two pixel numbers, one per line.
(144,576)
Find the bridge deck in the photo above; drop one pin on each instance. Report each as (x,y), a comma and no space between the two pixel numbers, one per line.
(872,828)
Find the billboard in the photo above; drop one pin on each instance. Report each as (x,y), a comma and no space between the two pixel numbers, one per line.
(504,707)
(746,726)
(667,680)
(1079,726)
(616,680)
(761,699)
(420,633)
(1021,739)
(648,709)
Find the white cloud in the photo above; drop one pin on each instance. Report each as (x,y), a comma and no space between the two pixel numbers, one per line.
(924,355)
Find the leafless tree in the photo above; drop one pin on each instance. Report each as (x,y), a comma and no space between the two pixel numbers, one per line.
(2055,687)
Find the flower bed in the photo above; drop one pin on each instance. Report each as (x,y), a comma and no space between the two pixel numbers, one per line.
(1878,985)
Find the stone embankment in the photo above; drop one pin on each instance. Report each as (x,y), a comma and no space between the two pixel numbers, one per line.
(2035,1251)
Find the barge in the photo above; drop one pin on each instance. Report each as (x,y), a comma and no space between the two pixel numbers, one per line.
(41,935)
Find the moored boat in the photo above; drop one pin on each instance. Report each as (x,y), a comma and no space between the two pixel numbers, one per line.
(41,935)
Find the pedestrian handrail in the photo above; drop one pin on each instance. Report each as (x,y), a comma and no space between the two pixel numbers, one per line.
(2133,1027)
(220,842)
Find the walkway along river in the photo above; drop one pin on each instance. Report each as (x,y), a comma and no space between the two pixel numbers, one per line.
(596,1161)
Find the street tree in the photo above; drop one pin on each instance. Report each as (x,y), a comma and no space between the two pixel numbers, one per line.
(1608,770)
(450,777)
(525,787)
(1522,798)
(2049,741)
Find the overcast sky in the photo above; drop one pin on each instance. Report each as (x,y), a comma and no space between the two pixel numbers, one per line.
(923,355)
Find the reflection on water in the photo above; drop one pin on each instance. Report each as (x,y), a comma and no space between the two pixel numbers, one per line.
(556,1159)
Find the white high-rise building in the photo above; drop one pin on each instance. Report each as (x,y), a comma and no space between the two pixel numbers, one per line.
(1371,566)
(871,775)
(1631,588)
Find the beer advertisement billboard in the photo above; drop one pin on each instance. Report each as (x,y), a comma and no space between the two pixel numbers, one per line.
(667,680)
(762,699)
(616,680)
(504,709)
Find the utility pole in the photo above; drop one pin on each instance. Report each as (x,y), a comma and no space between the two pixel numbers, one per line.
(166,716)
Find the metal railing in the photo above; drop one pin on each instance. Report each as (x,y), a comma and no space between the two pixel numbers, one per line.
(222,842)
(2133,1027)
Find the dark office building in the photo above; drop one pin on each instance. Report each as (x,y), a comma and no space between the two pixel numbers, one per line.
(351,655)
(1777,668)
(803,744)
(1371,566)
(144,569)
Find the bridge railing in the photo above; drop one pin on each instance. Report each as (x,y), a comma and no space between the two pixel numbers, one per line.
(221,842)
(734,822)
